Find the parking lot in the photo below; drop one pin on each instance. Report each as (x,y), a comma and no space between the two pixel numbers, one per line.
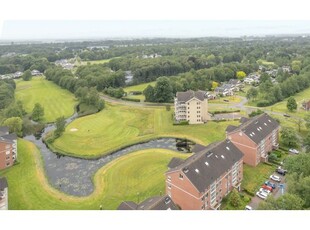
(276,192)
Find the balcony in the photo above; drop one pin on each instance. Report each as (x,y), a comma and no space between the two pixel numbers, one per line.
(275,146)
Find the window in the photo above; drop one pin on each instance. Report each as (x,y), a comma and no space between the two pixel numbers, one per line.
(8,164)
(169,178)
(180,176)
(187,107)
(7,152)
(7,158)
(169,186)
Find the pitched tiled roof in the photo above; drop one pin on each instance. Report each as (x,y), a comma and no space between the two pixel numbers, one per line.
(8,138)
(175,162)
(233,81)
(3,183)
(203,168)
(230,128)
(4,130)
(127,205)
(258,127)
(186,96)
(153,203)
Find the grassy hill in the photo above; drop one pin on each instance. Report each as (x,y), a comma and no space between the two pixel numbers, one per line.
(56,101)
(140,88)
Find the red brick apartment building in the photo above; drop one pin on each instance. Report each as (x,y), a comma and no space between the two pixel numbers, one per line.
(255,137)
(8,148)
(204,179)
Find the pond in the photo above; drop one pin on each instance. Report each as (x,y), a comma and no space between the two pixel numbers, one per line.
(74,175)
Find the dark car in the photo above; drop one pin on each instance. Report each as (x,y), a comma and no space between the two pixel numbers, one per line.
(286,115)
(270,184)
(281,171)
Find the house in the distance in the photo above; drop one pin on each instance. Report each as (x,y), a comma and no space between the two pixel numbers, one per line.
(191,106)
(4,204)
(236,84)
(36,72)
(306,105)
(8,148)
(153,203)
(225,90)
(204,179)
(255,137)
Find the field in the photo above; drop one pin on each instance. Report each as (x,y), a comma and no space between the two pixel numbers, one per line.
(254,177)
(120,180)
(140,87)
(57,102)
(94,62)
(231,100)
(266,63)
(119,126)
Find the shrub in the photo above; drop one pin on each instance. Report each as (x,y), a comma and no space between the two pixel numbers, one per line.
(263,103)
(130,99)
(181,123)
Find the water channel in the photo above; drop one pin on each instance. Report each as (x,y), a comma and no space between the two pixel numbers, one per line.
(74,175)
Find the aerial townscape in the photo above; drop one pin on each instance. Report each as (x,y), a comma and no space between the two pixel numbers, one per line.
(208,123)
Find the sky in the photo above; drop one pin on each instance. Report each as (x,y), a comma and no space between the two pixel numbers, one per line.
(101,29)
(97,19)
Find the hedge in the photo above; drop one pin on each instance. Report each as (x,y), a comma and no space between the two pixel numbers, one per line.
(130,99)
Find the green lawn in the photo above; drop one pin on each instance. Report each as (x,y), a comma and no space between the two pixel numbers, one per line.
(120,180)
(57,102)
(140,87)
(231,100)
(95,62)
(254,177)
(119,126)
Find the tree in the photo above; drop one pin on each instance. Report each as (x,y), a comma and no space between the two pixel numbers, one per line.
(299,122)
(241,75)
(214,84)
(291,104)
(252,93)
(285,202)
(163,90)
(149,93)
(37,112)
(235,199)
(15,125)
(27,75)
(289,137)
(60,126)
(298,164)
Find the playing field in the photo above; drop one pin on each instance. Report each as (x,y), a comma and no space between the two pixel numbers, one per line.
(57,102)
(135,176)
(118,126)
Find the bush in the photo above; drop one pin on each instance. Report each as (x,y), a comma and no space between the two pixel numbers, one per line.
(130,99)
(263,103)
(225,111)
(136,92)
(249,192)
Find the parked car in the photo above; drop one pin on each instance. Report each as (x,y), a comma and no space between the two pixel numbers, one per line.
(286,115)
(248,207)
(267,187)
(261,195)
(262,190)
(293,151)
(281,171)
(275,178)
(270,184)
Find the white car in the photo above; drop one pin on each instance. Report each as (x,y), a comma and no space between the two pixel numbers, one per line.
(275,178)
(262,190)
(294,151)
(248,207)
(261,195)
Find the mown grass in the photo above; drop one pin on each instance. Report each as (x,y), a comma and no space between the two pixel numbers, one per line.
(57,102)
(231,100)
(140,88)
(140,172)
(119,126)
(254,177)
(95,62)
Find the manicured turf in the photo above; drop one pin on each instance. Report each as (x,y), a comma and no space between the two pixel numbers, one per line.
(231,100)
(120,180)
(254,177)
(140,87)
(118,126)
(57,102)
